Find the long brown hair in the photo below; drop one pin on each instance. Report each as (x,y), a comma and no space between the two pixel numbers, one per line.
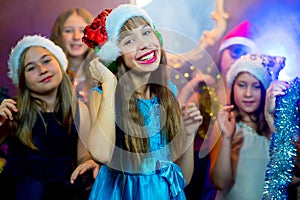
(137,141)
(58,26)
(28,104)
(57,30)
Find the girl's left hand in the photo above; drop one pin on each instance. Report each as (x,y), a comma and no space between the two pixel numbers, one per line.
(7,108)
(83,167)
(277,88)
(192,118)
(100,73)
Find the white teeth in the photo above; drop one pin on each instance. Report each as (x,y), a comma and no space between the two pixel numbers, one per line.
(148,57)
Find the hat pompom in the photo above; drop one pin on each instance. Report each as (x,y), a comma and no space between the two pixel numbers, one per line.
(109,51)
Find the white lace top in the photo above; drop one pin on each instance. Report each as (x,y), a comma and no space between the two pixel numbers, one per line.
(251,167)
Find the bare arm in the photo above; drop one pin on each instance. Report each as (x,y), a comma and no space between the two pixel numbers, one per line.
(101,140)
(222,170)
(186,161)
(192,120)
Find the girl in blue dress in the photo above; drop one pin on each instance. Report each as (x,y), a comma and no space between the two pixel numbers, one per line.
(139,131)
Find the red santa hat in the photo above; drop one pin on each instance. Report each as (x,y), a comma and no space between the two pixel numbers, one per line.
(104,32)
(241,34)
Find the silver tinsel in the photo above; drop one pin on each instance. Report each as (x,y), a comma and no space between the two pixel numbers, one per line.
(283,144)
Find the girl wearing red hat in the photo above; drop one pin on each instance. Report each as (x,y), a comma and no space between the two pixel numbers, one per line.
(140,132)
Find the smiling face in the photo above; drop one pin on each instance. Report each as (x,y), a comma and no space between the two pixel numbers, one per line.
(247,93)
(140,47)
(72,34)
(42,71)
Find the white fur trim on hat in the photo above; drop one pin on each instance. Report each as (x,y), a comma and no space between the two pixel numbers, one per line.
(114,22)
(29,41)
(254,67)
(109,51)
(238,40)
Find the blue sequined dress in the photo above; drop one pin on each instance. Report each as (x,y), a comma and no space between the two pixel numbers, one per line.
(159,179)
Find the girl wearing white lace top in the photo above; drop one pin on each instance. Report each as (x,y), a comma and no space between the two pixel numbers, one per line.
(241,133)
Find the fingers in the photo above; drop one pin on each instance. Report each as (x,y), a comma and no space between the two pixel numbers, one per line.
(226,114)
(231,117)
(95,172)
(191,114)
(100,73)
(277,88)
(82,168)
(226,121)
(191,110)
(78,171)
(228,108)
(7,107)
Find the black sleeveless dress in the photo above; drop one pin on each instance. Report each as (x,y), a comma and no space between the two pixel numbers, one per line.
(43,173)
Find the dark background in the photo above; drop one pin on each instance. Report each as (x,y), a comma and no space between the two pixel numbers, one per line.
(19,17)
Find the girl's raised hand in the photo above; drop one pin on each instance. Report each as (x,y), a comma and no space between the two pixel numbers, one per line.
(226,120)
(192,118)
(7,107)
(275,89)
(100,73)
(83,167)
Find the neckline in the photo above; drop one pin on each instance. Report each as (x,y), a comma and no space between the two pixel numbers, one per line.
(151,99)
(242,124)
